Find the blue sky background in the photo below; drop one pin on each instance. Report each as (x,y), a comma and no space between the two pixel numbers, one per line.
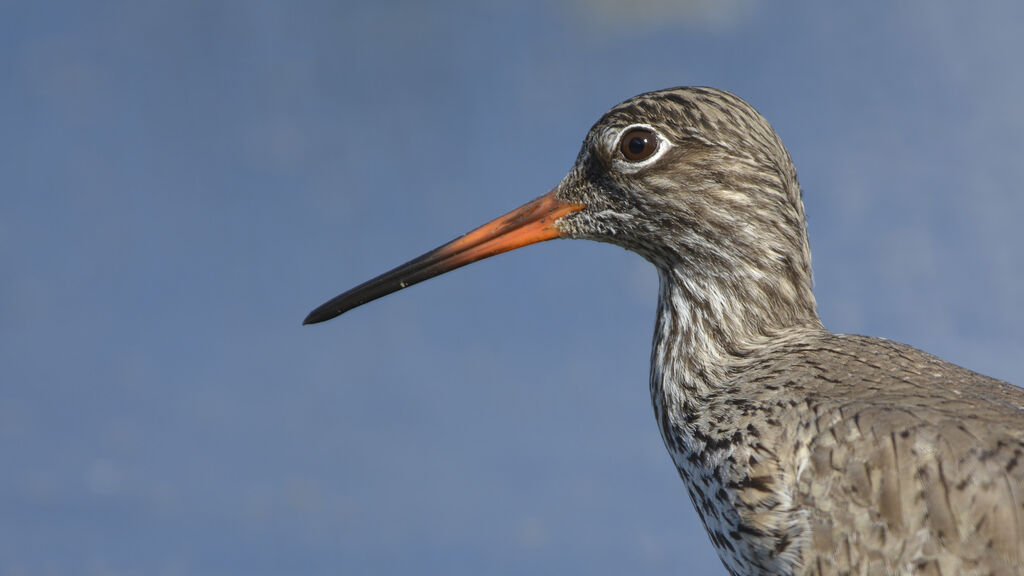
(181,182)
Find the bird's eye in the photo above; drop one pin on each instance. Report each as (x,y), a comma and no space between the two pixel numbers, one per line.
(638,144)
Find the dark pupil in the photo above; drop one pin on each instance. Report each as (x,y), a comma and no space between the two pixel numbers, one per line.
(637,144)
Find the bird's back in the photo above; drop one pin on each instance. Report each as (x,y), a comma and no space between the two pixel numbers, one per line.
(890,460)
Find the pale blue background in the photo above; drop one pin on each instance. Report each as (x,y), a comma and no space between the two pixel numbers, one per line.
(181,182)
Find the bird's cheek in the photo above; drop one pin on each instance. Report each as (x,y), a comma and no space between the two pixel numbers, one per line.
(602,226)
(575,225)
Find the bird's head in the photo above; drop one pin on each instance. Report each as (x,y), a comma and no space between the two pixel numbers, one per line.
(692,179)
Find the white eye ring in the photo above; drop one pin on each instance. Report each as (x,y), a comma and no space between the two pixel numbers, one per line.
(629,166)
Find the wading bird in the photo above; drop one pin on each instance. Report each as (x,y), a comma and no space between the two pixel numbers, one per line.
(803,451)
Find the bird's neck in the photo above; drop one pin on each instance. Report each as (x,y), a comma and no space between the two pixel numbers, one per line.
(704,325)
(704,335)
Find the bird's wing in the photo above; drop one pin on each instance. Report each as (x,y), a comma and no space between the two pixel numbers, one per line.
(913,465)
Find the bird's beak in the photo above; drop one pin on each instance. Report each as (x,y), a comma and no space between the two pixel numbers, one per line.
(531,223)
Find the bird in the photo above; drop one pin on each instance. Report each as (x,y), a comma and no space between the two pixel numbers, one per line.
(803,451)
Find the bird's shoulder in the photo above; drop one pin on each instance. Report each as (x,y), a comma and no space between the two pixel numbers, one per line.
(841,375)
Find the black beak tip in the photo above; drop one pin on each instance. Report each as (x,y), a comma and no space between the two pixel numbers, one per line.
(332,308)
(317,316)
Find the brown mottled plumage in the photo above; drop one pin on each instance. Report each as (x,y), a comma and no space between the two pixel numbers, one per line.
(804,452)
